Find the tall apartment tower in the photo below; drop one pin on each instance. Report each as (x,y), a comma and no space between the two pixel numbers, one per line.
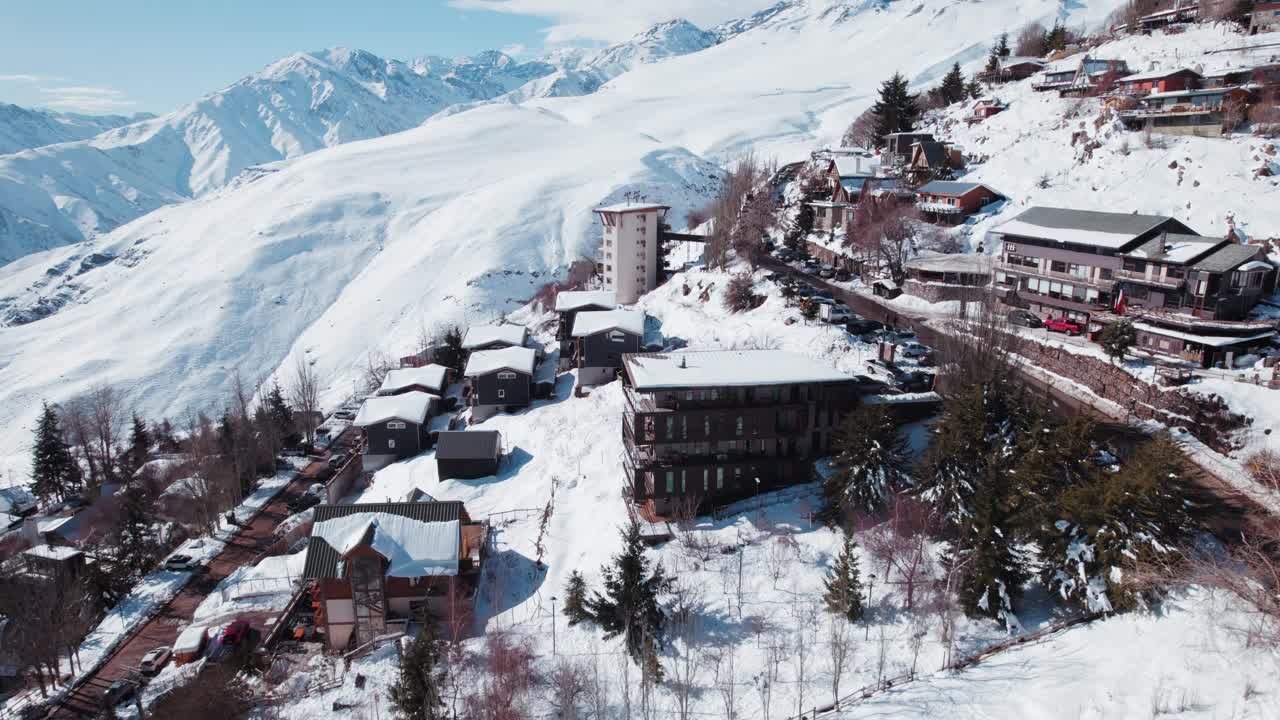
(628,259)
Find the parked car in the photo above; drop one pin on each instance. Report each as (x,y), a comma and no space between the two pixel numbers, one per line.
(182,562)
(235,633)
(154,660)
(345,415)
(1024,318)
(822,293)
(843,275)
(774,277)
(118,692)
(913,350)
(835,313)
(804,291)
(1063,325)
(306,501)
(862,326)
(827,272)
(915,382)
(876,366)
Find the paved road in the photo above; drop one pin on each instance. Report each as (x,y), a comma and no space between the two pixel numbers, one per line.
(162,630)
(1230,511)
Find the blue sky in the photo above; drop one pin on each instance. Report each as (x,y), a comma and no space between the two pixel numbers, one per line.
(126,56)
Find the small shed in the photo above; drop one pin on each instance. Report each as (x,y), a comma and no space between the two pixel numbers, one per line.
(468,454)
(190,644)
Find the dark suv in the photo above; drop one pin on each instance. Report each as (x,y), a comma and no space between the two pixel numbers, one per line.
(1024,318)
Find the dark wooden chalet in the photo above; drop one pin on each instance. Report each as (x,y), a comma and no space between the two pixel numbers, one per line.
(500,378)
(468,454)
(432,379)
(395,426)
(494,337)
(376,567)
(568,304)
(601,338)
(897,146)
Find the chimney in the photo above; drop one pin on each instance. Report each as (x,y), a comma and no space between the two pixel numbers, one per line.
(684,362)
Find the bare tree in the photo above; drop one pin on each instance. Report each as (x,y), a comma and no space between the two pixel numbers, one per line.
(506,682)
(861,132)
(569,689)
(377,365)
(901,544)
(304,396)
(687,609)
(724,666)
(839,646)
(738,214)
(804,615)
(1031,41)
(599,684)
(108,418)
(775,653)
(1249,572)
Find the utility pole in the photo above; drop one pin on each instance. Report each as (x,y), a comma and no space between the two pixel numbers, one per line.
(553,624)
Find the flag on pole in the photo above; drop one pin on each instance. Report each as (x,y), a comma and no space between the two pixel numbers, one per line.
(1120,302)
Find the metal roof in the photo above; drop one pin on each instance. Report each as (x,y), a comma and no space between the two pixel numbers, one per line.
(1072,222)
(568,300)
(468,444)
(591,322)
(1227,258)
(725,368)
(322,559)
(951,187)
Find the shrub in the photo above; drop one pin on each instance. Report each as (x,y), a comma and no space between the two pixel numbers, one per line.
(740,294)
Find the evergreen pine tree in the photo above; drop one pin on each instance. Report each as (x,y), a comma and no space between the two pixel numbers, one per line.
(451,354)
(575,600)
(629,605)
(871,464)
(139,447)
(952,89)
(800,227)
(1110,524)
(1002,46)
(1055,39)
(993,63)
(416,692)
(843,583)
(54,471)
(281,414)
(895,110)
(973,89)
(1117,339)
(994,569)
(137,547)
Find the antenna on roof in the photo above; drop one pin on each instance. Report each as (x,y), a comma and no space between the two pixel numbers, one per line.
(684,361)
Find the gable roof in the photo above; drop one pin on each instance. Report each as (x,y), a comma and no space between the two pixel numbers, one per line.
(1227,257)
(598,321)
(935,153)
(724,368)
(411,407)
(1084,227)
(481,335)
(428,376)
(1178,248)
(855,165)
(952,187)
(483,362)
(468,445)
(1012,60)
(374,523)
(569,300)
(16,499)
(968,263)
(1156,75)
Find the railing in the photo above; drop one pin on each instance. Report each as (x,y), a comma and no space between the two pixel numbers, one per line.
(939,208)
(1135,276)
(1053,275)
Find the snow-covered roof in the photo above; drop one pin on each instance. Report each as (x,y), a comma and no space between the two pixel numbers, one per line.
(190,640)
(52,552)
(569,300)
(631,207)
(1227,257)
(1020,60)
(520,359)
(50,524)
(952,187)
(595,321)
(412,547)
(851,165)
(16,497)
(428,376)
(972,263)
(410,407)
(725,368)
(481,335)
(1156,74)
(1210,340)
(1189,93)
(1175,248)
(1255,265)
(1080,227)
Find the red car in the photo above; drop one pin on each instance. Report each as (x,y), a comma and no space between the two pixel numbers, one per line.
(1063,325)
(235,632)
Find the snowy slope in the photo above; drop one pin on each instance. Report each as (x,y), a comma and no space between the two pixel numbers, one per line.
(304,102)
(24,128)
(347,248)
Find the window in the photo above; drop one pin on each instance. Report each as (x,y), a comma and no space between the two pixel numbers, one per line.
(1080,271)
(391,444)
(1058,266)
(617,336)
(719,478)
(738,427)
(1011,247)
(671,427)
(1137,266)
(671,482)
(706,426)
(1174,271)
(1104,274)
(395,425)
(706,480)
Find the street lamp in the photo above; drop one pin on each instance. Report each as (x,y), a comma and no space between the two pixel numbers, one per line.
(553,624)
(757,492)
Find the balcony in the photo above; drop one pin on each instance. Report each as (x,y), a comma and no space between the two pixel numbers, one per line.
(1052,275)
(1141,277)
(939,208)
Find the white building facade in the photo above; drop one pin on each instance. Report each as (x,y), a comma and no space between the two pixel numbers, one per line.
(629,254)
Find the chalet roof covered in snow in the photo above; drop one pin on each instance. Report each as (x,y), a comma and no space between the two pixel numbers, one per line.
(481,335)
(1207,92)
(519,359)
(1177,248)
(627,207)
(1255,265)
(725,368)
(952,187)
(427,376)
(1013,60)
(418,539)
(597,321)
(968,263)
(570,300)
(1111,231)
(1157,74)
(52,552)
(1209,340)
(854,165)
(410,407)
(16,500)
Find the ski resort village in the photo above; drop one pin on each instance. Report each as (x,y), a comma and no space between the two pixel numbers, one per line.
(848,359)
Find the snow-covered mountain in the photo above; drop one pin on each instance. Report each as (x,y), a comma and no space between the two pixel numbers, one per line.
(59,195)
(24,128)
(355,247)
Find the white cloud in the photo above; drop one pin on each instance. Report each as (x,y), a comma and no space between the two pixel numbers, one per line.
(87,99)
(516,50)
(594,21)
(29,79)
